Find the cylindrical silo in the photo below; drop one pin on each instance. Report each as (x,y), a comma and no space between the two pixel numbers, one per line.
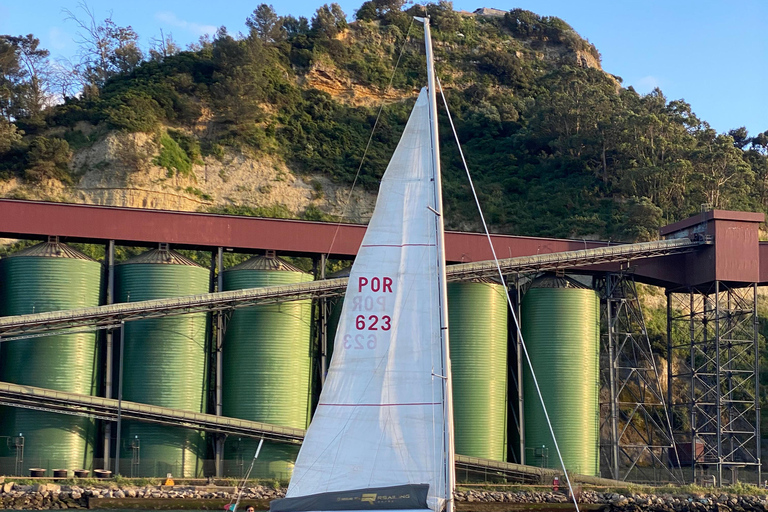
(561,329)
(267,364)
(49,277)
(164,363)
(477,316)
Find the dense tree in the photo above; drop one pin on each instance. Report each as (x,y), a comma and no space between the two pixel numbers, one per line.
(9,136)
(443,17)
(328,21)
(383,10)
(720,170)
(163,47)
(105,49)
(10,71)
(266,24)
(24,84)
(47,159)
(295,26)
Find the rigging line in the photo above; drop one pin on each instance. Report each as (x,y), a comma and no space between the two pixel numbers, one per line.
(370,139)
(509,301)
(245,479)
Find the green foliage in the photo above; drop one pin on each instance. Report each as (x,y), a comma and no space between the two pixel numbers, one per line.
(526,24)
(188,143)
(133,113)
(199,193)
(172,157)
(79,140)
(328,21)
(48,158)
(443,18)
(209,148)
(278,211)
(312,212)
(641,219)
(23,80)
(266,24)
(9,136)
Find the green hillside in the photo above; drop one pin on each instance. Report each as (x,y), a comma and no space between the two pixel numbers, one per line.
(556,145)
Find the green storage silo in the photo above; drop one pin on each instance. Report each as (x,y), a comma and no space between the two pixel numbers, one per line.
(48,277)
(267,365)
(561,329)
(477,316)
(164,364)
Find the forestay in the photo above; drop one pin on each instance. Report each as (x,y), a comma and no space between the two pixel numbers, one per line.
(380,418)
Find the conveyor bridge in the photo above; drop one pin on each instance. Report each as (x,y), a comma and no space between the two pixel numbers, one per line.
(110,316)
(49,400)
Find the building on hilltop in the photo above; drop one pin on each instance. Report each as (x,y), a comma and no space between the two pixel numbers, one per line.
(489,11)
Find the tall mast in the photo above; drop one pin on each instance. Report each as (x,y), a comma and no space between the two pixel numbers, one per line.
(450,477)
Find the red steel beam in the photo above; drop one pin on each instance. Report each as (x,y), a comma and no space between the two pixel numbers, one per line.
(131,226)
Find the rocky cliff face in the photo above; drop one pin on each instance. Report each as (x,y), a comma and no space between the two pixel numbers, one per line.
(119,170)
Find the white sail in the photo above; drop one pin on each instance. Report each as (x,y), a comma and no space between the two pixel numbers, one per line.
(380,419)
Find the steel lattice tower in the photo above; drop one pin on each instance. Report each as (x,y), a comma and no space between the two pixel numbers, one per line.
(714,396)
(636,433)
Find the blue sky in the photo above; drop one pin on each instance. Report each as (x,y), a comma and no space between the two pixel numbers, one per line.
(713,54)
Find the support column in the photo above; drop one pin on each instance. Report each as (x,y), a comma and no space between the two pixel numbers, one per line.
(520,358)
(323,324)
(674,456)
(609,284)
(219,445)
(694,430)
(718,387)
(120,399)
(756,348)
(109,258)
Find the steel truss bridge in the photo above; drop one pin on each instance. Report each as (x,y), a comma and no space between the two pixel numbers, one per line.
(110,316)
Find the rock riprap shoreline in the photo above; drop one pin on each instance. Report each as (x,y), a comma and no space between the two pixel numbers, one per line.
(667,502)
(42,496)
(57,497)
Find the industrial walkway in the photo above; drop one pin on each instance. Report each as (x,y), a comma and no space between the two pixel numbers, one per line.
(107,317)
(50,400)
(30,397)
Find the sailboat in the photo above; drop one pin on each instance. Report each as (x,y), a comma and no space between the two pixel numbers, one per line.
(382,434)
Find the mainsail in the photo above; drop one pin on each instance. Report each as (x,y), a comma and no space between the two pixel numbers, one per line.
(380,421)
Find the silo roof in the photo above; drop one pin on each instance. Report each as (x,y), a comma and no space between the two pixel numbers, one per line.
(267,263)
(160,257)
(50,250)
(554,281)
